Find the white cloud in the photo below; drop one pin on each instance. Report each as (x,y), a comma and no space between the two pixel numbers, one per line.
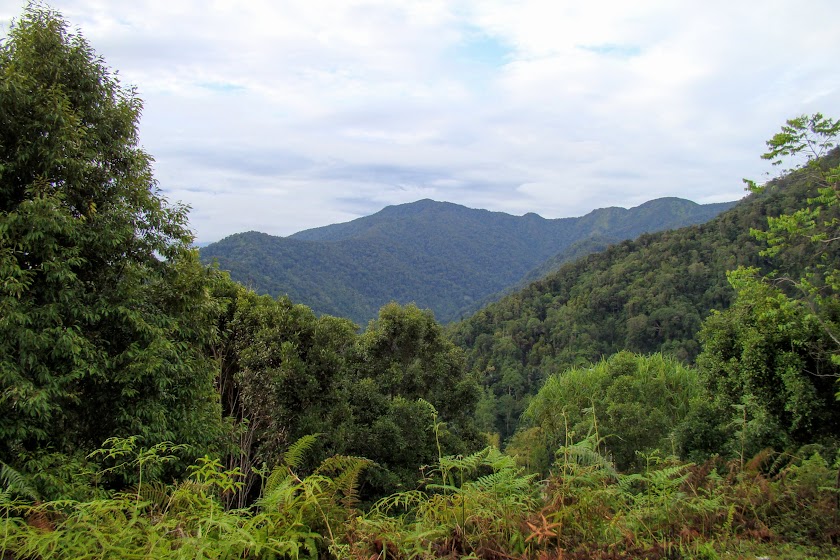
(279,116)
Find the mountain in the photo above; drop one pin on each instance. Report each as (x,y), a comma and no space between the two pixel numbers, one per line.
(439,255)
(649,294)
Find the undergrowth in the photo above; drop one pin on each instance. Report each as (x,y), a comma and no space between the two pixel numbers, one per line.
(477,506)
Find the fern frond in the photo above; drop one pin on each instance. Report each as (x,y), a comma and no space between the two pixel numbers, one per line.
(444,487)
(404,500)
(188,496)
(155,493)
(497,460)
(338,464)
(470,463)
(280,488)
(504,482)
(276,477)
(293,456)
(345,480)
(15,483)
(582,453)
(673,476)
(627,481)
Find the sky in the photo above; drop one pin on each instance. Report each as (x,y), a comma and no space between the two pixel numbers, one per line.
(279,116)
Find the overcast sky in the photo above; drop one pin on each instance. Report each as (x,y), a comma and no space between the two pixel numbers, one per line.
(279,116)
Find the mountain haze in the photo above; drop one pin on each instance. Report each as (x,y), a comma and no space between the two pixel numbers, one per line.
(440,255)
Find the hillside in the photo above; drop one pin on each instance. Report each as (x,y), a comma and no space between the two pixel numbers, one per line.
(440,255)
(645,295)
(154,408)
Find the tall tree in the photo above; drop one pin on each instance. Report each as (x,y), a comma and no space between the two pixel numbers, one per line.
(772,358)
(104,310)
(809,141)
(280,367)
(287,373)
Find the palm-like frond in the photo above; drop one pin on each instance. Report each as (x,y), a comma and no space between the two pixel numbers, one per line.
(15,484)
(293,456)
(345,471)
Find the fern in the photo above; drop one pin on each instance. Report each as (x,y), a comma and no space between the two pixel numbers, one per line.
(504,482)
(156,494)
(15,484)
(293,457)
(586,453)
(281,488)
(346,470)
(188,497)
(400,501)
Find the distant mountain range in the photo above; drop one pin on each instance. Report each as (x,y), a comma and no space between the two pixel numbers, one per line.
(440,255)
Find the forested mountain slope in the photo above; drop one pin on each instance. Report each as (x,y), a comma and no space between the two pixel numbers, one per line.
(154,408)
(646,295)
(439,255)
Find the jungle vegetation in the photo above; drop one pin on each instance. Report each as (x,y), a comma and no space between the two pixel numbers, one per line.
(672,397)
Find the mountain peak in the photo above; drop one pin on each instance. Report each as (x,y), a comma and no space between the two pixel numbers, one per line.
(440,255)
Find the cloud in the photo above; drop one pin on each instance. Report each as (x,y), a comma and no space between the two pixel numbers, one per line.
(280,116)
(610,49)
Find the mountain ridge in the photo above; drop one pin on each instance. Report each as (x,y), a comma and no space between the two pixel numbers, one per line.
(440,255)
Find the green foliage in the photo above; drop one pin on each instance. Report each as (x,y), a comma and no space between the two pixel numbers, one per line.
(588,500)
(472,512)
(405,351)
(125,457)
(402,364)
(14,485)
(771,359)
(632,403)
(280,368)
(287,373)
(796,508)
(647,295)
(294,520)
(111,330)
(104,312)
(438,255)
(762,361)
(323,502)
(475,506)
(817,290)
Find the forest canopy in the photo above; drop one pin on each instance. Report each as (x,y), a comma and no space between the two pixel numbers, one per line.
(104,311)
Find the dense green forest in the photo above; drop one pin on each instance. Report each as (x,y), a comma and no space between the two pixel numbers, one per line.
(439,255)
(672,397)
(650,294)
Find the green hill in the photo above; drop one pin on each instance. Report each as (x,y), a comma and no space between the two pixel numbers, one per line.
(645,295)
(439,255)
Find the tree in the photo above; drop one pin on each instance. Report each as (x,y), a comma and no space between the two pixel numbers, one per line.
(286,373)
(765,354)
(280,366)
(811,229)
(406,352)
(771,359)
(402,363)
(105,316)
(633,402)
